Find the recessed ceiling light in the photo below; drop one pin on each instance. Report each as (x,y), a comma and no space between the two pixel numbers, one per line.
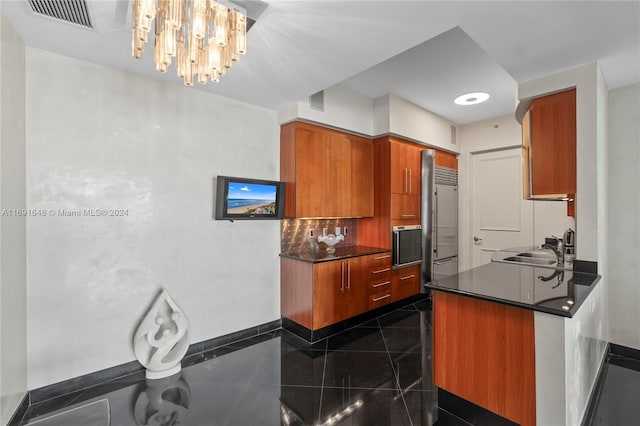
(471,98)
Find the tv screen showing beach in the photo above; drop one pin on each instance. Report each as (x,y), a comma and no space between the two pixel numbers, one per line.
(251,199)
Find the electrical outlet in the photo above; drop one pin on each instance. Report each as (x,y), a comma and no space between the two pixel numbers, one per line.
(324,231)
(346,230)
(310,233)
(338,229)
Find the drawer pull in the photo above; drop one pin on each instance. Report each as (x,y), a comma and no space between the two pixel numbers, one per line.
(376,299)
(381,271)
(407,277)
(382,257)
(407,215)
(380,284)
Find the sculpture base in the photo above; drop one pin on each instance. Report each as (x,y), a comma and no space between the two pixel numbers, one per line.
(164,373)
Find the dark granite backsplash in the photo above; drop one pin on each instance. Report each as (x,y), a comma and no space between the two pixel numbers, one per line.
(294,233)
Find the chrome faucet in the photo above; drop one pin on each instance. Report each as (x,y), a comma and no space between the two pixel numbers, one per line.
(554,243)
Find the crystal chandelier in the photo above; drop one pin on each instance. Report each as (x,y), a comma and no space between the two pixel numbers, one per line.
(204,36)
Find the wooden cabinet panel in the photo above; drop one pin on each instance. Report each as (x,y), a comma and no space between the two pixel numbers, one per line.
(328,290)
(398,168)
(338,182)
(328,173)
(379,299)
(405,206)
(446,159)
(296,291)
(357,291)
(484,352)
(414,166)
(549,146)
(311,172)
(405,167)
(362,177)
(405,282)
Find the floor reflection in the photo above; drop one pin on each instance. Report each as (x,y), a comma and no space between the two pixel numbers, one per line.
(163,402)
(378,373)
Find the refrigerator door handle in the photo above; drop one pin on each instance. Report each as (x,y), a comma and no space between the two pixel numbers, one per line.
(435,222)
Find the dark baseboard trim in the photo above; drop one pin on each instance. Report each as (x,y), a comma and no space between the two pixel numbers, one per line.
(624,351)
(20,411)
(313,336)
(468,411)
(98,377)
(594,397)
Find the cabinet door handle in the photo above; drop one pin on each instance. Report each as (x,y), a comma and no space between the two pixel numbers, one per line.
(349,276)
(375,299)
(405,180)
(381,271)
(410,191)
(407,277)
(382,257)
(380,284)
(341,277)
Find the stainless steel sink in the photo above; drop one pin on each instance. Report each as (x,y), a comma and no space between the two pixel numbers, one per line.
(530,259)
(540,258)
(537,255)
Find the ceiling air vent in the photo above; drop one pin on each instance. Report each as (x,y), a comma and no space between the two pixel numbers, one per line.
(73,11)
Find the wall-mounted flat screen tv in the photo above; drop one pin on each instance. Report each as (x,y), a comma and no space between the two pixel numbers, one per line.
(242,198)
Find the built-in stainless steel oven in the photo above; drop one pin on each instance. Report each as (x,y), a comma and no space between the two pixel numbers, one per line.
(407,245)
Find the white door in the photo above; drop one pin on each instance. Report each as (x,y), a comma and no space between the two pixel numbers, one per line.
(500,218)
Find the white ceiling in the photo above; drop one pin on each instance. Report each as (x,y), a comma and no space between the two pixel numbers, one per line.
(299,47)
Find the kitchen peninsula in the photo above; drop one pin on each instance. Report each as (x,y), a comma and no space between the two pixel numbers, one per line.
(492,340)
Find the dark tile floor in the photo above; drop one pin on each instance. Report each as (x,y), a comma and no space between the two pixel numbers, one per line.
(378,373)
(619,401)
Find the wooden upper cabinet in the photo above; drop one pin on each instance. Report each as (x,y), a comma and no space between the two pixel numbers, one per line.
(311,169)
(362,177)
(549,146)
(338,182)
(446,159)
(405,167)
(328,173)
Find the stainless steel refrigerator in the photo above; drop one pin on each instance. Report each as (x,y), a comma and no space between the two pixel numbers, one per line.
(439,219)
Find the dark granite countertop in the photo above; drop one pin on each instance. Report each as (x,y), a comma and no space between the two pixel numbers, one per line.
(341,252)
(554,291)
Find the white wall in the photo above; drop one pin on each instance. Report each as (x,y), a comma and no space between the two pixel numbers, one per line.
(495,133)
(343,108)
(13,303)
(587,333)
(413,122)
(99,138)
(549,218)
(569,352)
(348,110)
(624,216)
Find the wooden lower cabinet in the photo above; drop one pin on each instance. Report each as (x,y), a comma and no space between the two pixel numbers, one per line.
(316,295)
(405,206)
(339,291)
(484,352)
(405,282)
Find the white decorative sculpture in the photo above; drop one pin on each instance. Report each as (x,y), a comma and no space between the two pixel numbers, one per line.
(331,240)
(162,339)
